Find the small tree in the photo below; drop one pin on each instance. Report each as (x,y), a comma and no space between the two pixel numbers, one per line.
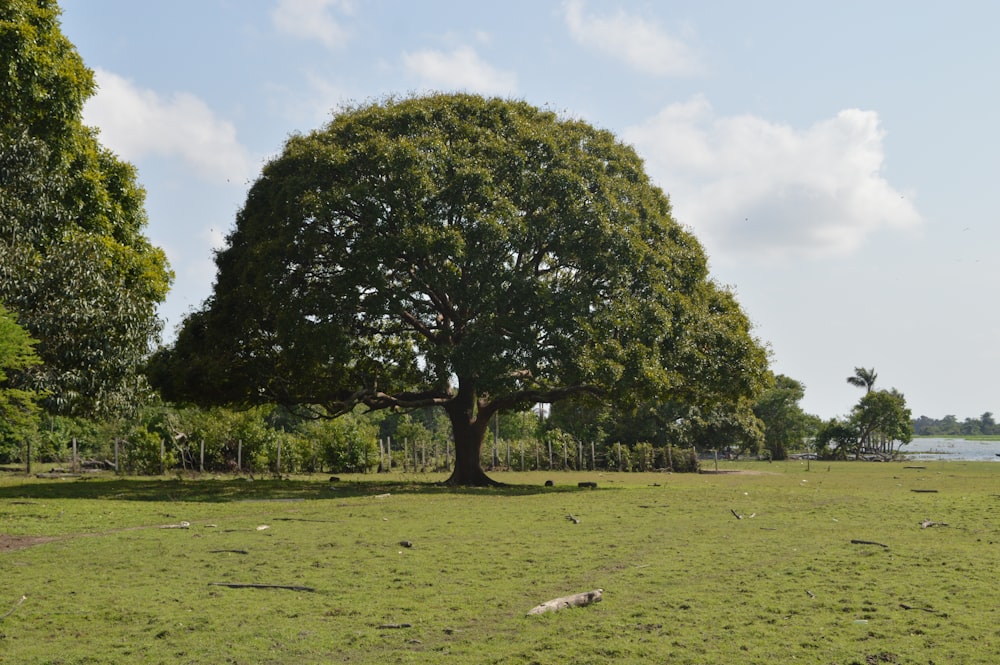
(18,407)
(882,419)
(786,425)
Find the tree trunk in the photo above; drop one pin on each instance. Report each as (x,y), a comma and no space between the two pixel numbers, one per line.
(469,421)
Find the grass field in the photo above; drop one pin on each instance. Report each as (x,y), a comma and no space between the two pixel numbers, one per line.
(684,580)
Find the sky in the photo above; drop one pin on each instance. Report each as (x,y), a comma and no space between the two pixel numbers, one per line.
(836,160)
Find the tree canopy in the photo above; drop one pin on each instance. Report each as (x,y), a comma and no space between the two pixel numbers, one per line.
(75,267)
(478,255)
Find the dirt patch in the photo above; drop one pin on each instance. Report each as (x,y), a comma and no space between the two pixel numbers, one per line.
(12,543)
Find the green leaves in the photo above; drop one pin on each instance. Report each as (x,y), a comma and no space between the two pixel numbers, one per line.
(74,263)
(18,407)
(417,248)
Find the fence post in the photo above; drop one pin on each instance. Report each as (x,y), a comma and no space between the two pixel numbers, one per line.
(239,456)
(278,463)
(201,459)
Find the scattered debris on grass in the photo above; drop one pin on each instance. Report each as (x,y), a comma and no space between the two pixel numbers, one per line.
(576,600)
(926,524)
(574,520)
(394,626)
(228,551)
(182,525)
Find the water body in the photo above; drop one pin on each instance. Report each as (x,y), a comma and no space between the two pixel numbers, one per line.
(952,449)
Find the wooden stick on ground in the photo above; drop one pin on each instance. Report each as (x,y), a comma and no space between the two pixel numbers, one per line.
(576,600)
(922,609)
(868,542)
(290,587)
(13,609)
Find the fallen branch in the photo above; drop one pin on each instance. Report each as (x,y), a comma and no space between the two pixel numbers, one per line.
(928,523)
(736,514)
(572,519)
(13,609)
(395,625)
(925,491)
(182,525)
(289,587)
(576,600)
(868,542)
(230,551)
(922,609)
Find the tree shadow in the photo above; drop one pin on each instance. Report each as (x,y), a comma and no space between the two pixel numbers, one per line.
(243,489)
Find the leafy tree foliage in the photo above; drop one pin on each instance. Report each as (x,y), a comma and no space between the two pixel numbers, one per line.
(75,266)
(18,407)
(878,423)
(786,425)
(863,378)
(478,255)
(950,426)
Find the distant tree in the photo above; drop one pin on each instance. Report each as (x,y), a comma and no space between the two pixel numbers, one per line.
(75,266)
(785,424)
(882,419)
(837,438)
(987,424)
(863,378)
(476,255)
(726,427)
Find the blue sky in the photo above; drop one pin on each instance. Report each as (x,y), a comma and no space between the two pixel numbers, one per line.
(835,159)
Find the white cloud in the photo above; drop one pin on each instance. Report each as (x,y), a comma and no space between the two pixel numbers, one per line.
(135,122)
(639,42)
(749,185)
(461,68)
(312,19)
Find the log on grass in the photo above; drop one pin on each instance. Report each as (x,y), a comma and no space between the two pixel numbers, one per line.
(576,600)
(868,542)
(236,585)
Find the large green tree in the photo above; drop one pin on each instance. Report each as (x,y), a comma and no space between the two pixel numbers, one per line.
(75,267)
(478,255)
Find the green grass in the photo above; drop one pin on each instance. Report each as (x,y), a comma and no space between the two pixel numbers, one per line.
(684,580)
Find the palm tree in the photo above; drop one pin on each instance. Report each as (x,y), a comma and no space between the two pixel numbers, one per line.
(863,378)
